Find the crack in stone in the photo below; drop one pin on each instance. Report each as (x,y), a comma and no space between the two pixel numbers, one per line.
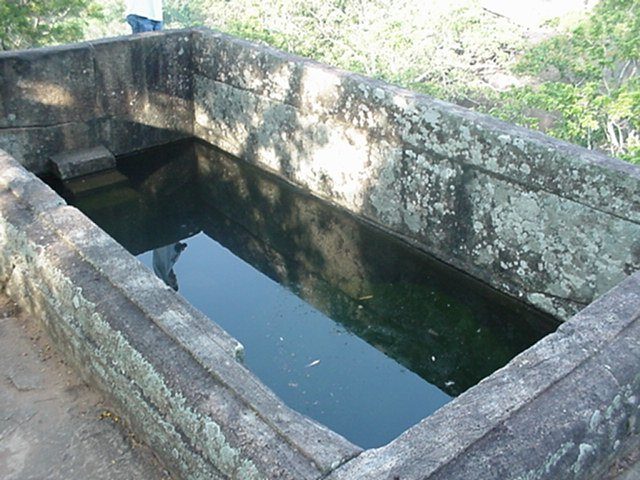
(40,126)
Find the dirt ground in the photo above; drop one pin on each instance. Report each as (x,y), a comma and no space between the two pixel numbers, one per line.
(627,467)
(52,425)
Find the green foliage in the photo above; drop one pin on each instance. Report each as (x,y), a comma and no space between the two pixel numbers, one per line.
(596,50)
(427,46)
(31,23)
(594,96)
(183,13)
(584,85)
(581,86)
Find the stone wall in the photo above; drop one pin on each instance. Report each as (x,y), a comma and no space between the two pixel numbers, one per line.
(126,93)
(548,222)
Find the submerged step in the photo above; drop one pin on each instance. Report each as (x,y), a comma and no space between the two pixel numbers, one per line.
(106,179)
(77,163)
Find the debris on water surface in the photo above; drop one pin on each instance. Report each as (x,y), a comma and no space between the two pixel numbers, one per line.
(449,383)
(313,364)
(366,297)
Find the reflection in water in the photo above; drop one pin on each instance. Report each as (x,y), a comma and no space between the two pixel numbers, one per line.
(164,258)
(341,320)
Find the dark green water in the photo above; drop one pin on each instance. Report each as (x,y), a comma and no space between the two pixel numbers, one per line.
(345,323)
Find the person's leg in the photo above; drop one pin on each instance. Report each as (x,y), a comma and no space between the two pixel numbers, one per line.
(149,25)
(141,24)
(134,23)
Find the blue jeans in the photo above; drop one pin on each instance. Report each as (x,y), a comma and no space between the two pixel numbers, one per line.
(143,24)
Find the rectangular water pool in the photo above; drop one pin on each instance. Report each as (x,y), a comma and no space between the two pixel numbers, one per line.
(347,324)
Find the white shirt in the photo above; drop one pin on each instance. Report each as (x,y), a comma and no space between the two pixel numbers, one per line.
(151,9)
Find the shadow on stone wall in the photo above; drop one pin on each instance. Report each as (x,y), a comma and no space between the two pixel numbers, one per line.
(524,213)
(541,220)
(127,94)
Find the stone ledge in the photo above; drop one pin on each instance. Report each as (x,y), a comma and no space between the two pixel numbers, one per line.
(171,371)
(77,163)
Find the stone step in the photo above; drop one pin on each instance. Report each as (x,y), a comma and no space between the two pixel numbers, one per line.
(76,163)
(91,183)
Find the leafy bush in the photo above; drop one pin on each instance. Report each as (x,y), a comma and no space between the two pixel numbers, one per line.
(582,86)
(437,47)
(32,23)
(595,92)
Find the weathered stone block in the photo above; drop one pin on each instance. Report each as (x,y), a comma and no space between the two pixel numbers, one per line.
(411,120)
(16,179)
(76,163)
(127,93)
(146,79)
(122,135)
(34,146)
(46,87)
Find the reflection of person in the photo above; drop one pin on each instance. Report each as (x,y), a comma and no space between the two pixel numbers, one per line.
(144,15)
(164,258)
